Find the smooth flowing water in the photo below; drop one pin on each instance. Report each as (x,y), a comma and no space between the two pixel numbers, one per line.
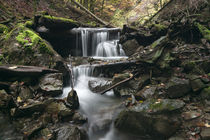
(101,110)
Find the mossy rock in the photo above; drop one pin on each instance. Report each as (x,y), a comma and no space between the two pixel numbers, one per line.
(22,46)
(57,22)
(204,31)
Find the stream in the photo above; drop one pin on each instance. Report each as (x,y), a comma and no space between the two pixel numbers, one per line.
(100,110)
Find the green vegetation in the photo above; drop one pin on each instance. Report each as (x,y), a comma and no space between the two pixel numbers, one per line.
(204,31)
(60,18)
(3,29)
(29,24)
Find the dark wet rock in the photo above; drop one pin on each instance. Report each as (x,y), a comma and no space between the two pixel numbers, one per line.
(151,117)
(205,135)
(25,93)
(205,94)
(6,101)
(69,132)
(130,47)
(99,85)
(52,84)
(146,92)
(78,118)
(191,115)
(197,85)
(73,100)
(177,87)
(158,106)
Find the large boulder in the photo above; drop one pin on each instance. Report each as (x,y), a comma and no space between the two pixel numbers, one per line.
(52,84)
(178,87)
(157,118)
(23,46)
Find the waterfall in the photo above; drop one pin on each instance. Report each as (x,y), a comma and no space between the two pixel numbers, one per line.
(100,42)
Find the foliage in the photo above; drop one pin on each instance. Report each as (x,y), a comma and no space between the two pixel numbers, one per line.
(3,28)
(204,31)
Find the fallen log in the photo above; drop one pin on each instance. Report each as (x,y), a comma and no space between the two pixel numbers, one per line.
(86,10)
(119,83)
(18,70)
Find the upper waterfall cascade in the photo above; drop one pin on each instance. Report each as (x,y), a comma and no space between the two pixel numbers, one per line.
(99,42)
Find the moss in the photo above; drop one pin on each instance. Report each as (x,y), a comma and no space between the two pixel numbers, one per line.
(60,18)
(29,24)
(204,31)
(3,29)
(43,48)
(160,27)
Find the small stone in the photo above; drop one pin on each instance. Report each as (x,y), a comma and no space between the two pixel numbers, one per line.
(197,85)
(147,92)
(178,87)
(73,99)
(205,134)
(6,100)
(190,115)
(25,93)
(205,94)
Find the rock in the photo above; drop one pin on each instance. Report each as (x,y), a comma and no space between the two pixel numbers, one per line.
(205,135)
(56,22)
(29,108)
(24,47)
(190,115)
(46,134)
(32,128)
(177,87)
(25,93)
(128,88)
(197,85)
(146,93)
(52,84)
(59,108)
(205,94)
(69,132)
(6,101)
(158,106)
(99,85)
(130,47)
(78,118)
(73,99)
(153,117)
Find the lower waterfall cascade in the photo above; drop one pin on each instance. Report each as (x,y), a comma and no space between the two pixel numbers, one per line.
(99,109)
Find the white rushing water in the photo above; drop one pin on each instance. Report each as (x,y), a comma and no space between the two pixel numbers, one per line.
(100,109)
(99,42)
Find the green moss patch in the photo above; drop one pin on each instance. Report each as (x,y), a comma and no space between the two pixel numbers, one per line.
(204,31)
(3,28)
(28,39)
(60,18)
